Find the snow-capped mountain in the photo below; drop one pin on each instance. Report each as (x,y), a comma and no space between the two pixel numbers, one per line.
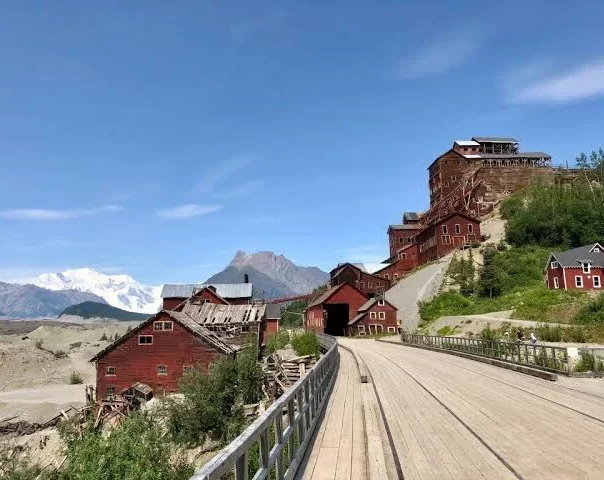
(120,291)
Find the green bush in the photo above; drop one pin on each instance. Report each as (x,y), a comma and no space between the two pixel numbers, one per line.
(276,341)
(250,376)
(593,312)
(15,463)
(208,409)
(137,449)
(306,344)
(587,363)
(75,378)
(487,333)
(447,331)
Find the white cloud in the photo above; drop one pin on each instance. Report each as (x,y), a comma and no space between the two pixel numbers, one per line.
(454,50)
(52,215)
(187,211)
(585,81)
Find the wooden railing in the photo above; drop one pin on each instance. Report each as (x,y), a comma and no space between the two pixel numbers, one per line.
(277,440)
(543,357)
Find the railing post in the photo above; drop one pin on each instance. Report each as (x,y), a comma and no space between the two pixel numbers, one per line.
(241,467)
(279,439)
(291,419)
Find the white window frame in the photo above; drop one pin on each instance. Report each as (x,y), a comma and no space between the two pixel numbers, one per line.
(446,239)
(145,343)
(457,229)
(163,371)
(110,372)
(555,264)
(163,326)
(578,280)
(556,282)
(372,315)
(361,330)
(586,267)
(382,315)
(403,256)
(599,285)
(187,368)
(470,228)
(381,302)
(444,230)
(391,329)
(596,249)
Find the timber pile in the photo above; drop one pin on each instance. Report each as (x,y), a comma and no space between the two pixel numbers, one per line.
(281,374)
(23,427)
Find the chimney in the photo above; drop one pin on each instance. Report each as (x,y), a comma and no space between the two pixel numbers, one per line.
(246,278)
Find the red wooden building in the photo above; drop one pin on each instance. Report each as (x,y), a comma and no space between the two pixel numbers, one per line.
(332,310)
(404,260)
(362,275)
(156,353)
(376,316)
(402,235)
(232,293)
(577,269)
(446,234)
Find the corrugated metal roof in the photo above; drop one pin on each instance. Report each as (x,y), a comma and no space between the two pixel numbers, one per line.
(496,156)
(404,227)
(494,139)
(467,143)
(225,290)
(325,295)
(576,256)
(357,318)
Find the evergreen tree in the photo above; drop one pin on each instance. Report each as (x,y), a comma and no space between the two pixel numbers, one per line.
(492,277)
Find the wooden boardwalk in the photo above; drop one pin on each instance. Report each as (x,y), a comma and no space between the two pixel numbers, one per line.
(443,417)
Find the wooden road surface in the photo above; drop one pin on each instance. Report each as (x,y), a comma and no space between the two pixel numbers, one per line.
(438,416)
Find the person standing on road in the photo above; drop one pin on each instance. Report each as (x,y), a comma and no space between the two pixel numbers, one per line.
(519,335)
(533,338)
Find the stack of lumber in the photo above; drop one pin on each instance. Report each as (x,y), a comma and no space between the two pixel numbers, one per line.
(281,374)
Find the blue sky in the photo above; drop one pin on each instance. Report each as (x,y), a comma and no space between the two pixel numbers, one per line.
(158,138)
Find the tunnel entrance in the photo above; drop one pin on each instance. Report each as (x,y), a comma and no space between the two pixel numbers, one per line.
(336,315)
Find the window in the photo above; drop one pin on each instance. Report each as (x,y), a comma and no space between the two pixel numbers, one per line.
(387,276)
(187,368)
(395,277)
(403,256)
(597,283)
(586,267)
(453,178)
(470,228)
(162,326)
(556,282)
(446,239)
(457,229)
(445,230)
(372,315)
(579,281)
(110,371)
(162,370)
(381,302)
(410,240)
(145,339)
(596,249)
(370,284)
(382,315)
(362,284)
(110,391)
(555,264)
(401,240)
(391,329)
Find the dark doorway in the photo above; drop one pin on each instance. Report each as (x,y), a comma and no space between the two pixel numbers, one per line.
(336,318)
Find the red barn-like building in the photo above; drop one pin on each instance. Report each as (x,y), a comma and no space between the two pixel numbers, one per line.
(362,275)
(157,353)
(332,310)
(446,234)
(577,269)
(232,293)
(376,316)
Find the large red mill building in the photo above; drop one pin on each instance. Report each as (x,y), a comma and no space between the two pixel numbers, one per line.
(465,182)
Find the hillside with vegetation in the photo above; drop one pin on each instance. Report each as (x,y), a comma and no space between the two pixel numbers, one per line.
(89,310)
(539,220)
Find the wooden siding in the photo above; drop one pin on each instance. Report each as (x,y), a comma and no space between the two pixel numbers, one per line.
(139,363)
(367,283)
(313,317)
(435,244)
(569,274)
(377,325)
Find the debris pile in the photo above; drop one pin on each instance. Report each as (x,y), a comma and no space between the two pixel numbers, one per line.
(282,373)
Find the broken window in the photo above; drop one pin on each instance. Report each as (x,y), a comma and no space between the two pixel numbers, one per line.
(110,371)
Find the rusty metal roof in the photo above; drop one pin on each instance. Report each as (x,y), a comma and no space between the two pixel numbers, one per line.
(212,314)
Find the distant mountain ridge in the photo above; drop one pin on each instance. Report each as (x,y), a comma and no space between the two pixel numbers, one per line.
(26,301)
(272,275)
(120,291)
(88,310)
